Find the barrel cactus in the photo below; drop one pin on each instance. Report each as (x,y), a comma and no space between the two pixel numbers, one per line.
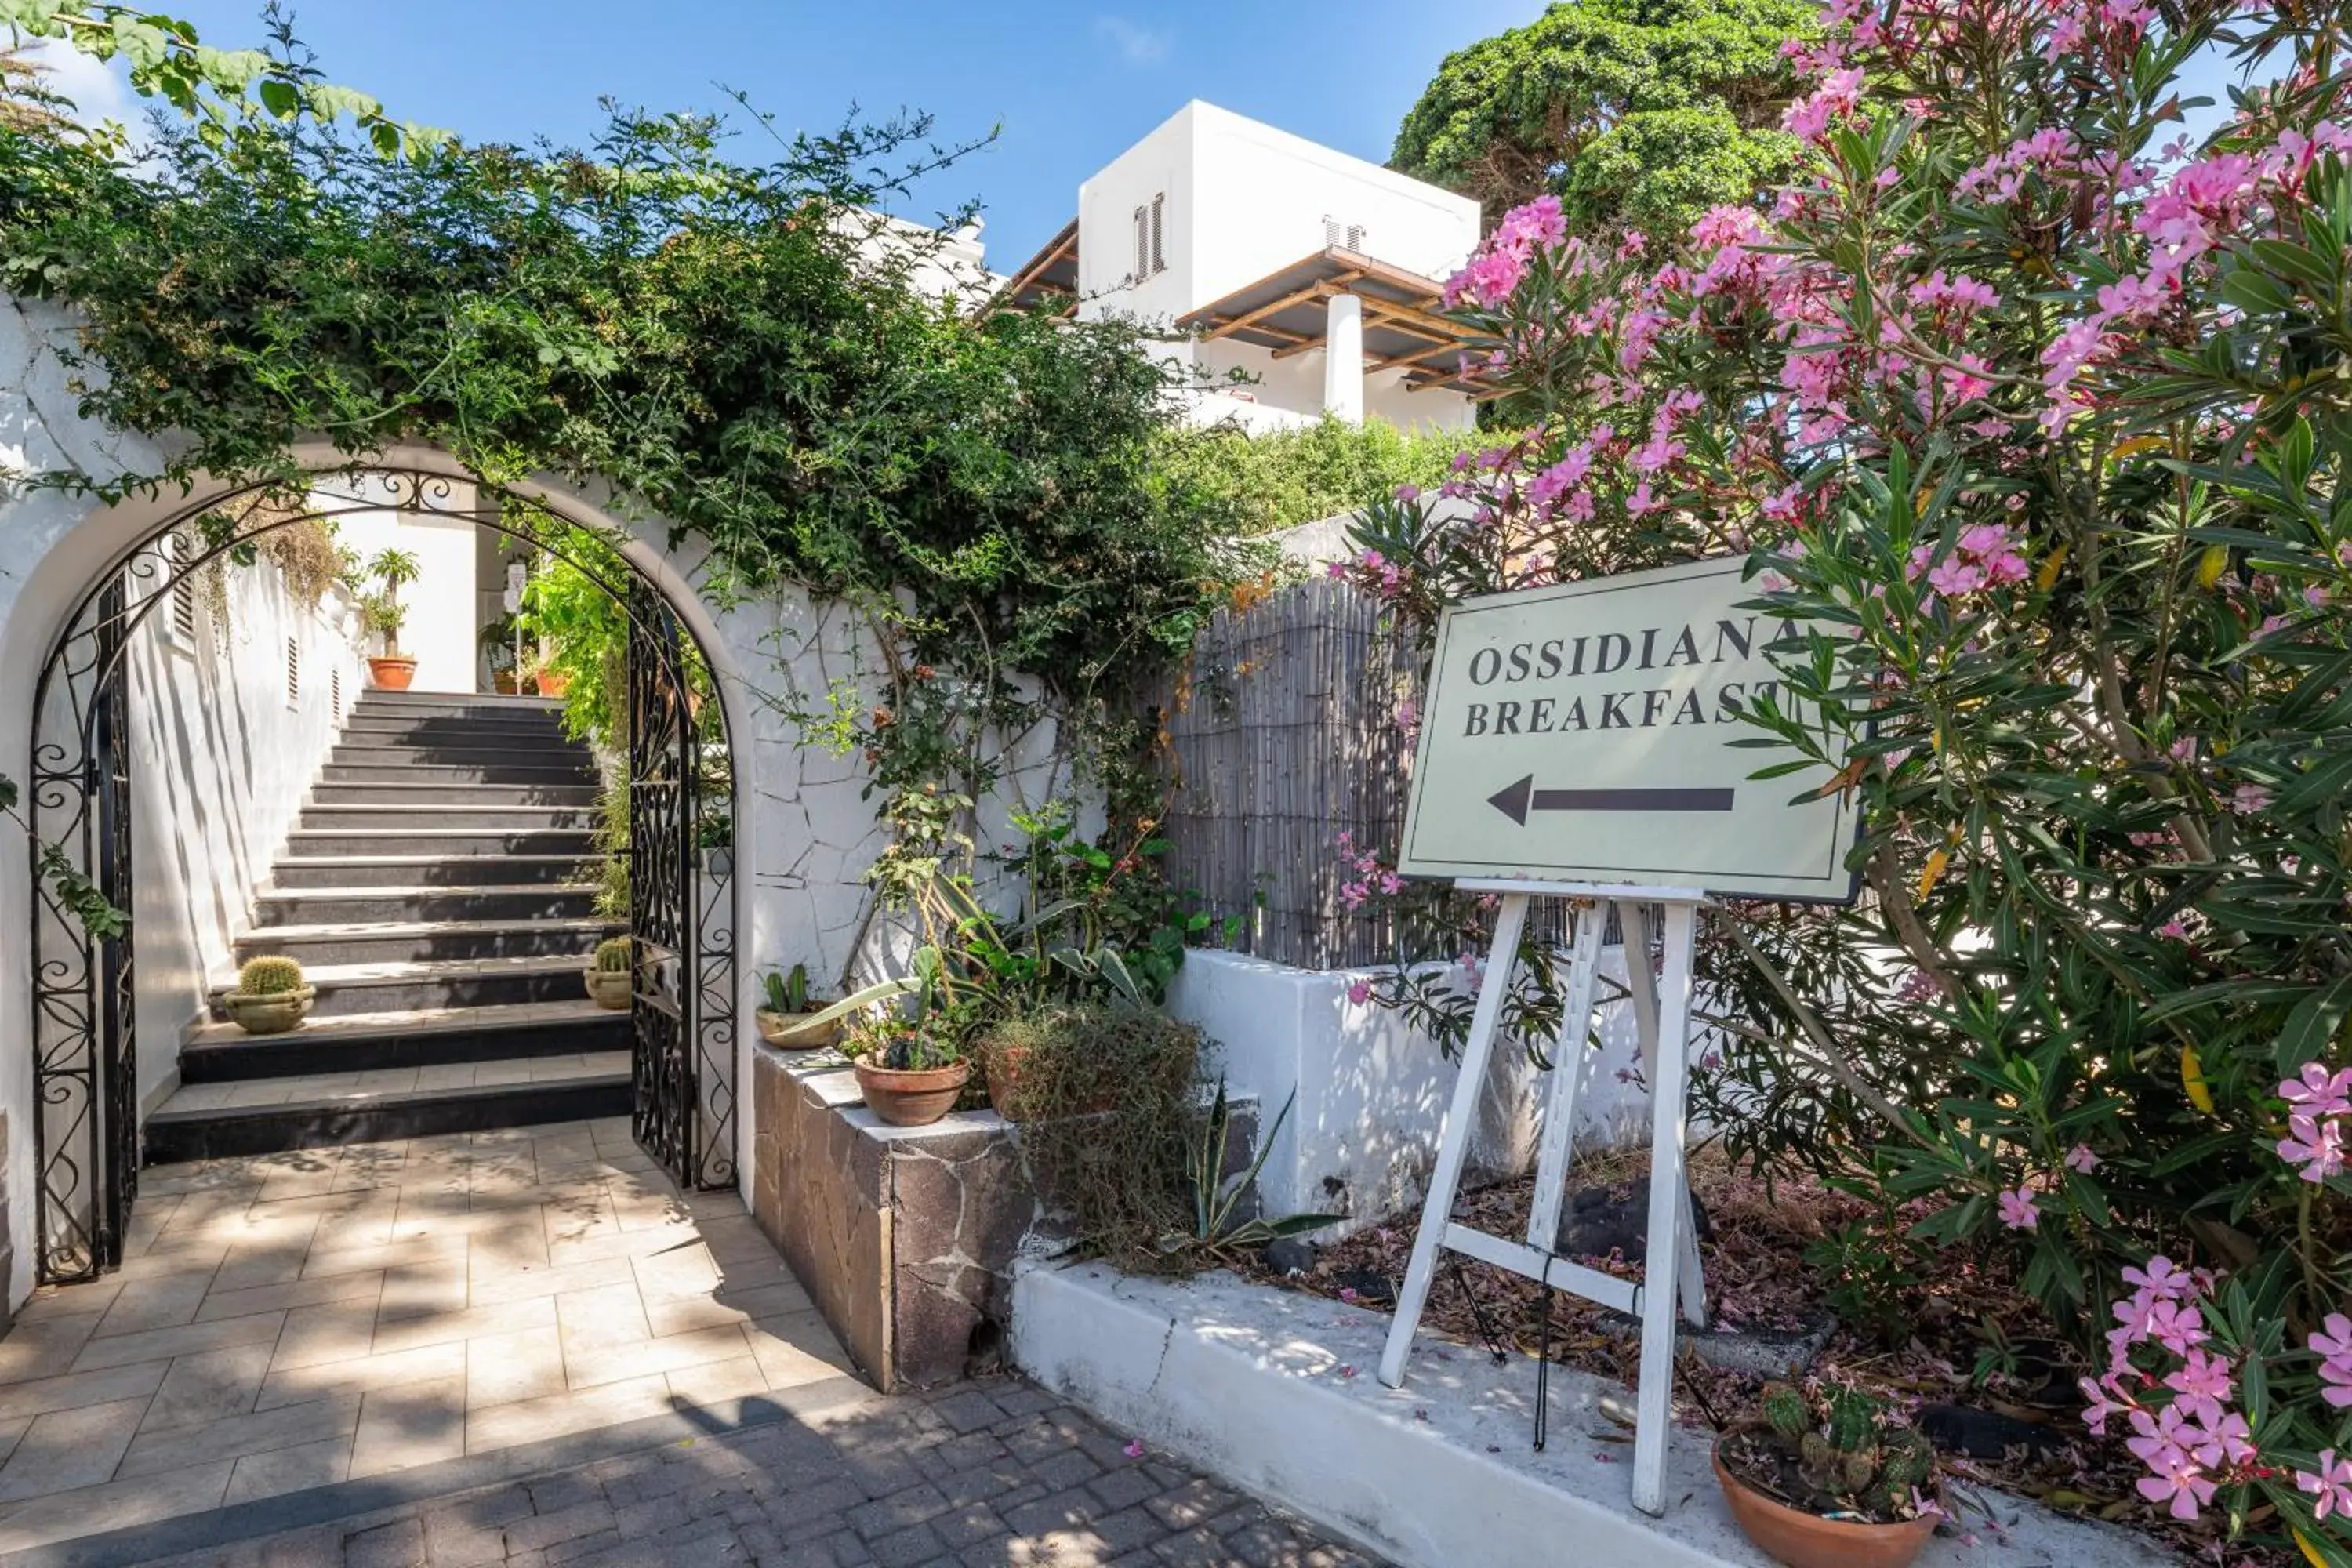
(269,976)
(1845,1453)
(614,955)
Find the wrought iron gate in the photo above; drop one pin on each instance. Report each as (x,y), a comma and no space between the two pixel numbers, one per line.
(85,1042)
(79,805)
(681,856)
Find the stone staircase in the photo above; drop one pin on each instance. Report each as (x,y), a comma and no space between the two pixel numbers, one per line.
(437,892)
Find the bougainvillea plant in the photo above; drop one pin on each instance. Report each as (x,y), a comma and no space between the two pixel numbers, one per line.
(2035,417)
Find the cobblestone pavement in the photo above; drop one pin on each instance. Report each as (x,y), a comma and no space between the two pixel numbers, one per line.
(991,1474)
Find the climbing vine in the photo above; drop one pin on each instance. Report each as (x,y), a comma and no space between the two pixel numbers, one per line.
(711,317)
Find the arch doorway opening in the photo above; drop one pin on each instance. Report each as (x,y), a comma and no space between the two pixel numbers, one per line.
(459,857)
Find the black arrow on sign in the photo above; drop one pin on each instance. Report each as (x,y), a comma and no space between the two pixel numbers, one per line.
(1522,798)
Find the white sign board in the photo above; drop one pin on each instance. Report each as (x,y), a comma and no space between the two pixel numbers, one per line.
(1580,734)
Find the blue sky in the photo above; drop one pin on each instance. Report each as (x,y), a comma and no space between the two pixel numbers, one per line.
(1073,85)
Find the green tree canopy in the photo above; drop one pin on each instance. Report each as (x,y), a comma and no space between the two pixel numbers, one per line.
(1637,113)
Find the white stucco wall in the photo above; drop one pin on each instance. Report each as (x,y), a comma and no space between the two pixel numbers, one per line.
(1362,1133)
(220,762)
(803,835)
(443,604)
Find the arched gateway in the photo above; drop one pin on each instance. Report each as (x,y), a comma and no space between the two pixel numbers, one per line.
(683,913)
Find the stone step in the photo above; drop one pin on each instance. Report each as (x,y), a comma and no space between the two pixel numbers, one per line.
(310,842)
(438,793)
(354,906)
(522,819)
(533,726)
(216,1121)
(356,1042)
(395,987)
(390,752)
(424,941)
(486,707)
(424,871)
(498,773)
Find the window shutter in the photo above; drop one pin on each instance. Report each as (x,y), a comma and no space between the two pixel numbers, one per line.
(1158,207)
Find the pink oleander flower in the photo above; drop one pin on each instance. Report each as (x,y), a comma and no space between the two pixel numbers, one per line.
(2248,798)
(2315,1091)
(2315,1145)
(2097,1406)
(2332,1342)
(1360,993)
(2161,1280)
(2332,1485)
(2017,1210)
(2204,1384)
(2080,1159)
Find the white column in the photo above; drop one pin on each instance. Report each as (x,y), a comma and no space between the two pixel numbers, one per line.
(1343,359)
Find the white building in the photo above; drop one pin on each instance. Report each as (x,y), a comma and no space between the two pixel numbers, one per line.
(1314,274)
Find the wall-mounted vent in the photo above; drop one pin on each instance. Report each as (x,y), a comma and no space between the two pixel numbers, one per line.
(293,673)
(183,591)
(1342,235)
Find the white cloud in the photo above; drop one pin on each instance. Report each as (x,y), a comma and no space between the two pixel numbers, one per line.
(1137,45)
(100,90)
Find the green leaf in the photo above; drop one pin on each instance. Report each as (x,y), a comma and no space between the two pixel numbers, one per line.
(2313,1024)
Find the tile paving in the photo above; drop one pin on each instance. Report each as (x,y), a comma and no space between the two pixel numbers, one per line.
(527,1347)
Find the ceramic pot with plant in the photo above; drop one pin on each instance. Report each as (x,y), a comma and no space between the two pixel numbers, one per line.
(270,996)
(385,615)
(789,1022)
(1828,1480)
(611,978)
(911,1073)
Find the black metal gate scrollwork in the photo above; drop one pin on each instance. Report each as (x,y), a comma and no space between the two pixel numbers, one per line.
(680,872)
(80,804)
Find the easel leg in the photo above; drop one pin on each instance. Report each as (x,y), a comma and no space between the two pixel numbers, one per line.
(1690,1274)
(1568,1072)
(1454,1137)
(1668,1203)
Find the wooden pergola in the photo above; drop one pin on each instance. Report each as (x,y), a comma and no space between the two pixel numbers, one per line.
(1285,311)
(1049,279)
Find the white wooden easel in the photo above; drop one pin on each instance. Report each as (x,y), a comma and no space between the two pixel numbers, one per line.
(1661,1012)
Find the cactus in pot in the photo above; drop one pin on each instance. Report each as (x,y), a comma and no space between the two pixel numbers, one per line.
(610,975)
(1829,1478)
(788,1021)
(270,997)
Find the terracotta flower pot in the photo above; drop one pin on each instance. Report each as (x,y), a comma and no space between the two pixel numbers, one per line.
(609,988)
(504,681)
(550,684)
(1005,1086)
(1804,1540)
(392,673)
(268,1012)
(795,1031)
(912,1097)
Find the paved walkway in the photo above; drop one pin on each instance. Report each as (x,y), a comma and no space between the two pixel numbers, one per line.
(526,1347)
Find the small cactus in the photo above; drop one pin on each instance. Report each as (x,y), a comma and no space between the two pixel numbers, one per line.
(615,954)
(1853,1420)
(1786,1410)
(269,976)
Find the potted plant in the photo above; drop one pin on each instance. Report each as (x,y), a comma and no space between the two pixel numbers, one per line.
(1078,1060)
(1828,1480)
(610,977)
(385,614)
(788,1022)
(270,996)
(496,642)
(911,1070)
